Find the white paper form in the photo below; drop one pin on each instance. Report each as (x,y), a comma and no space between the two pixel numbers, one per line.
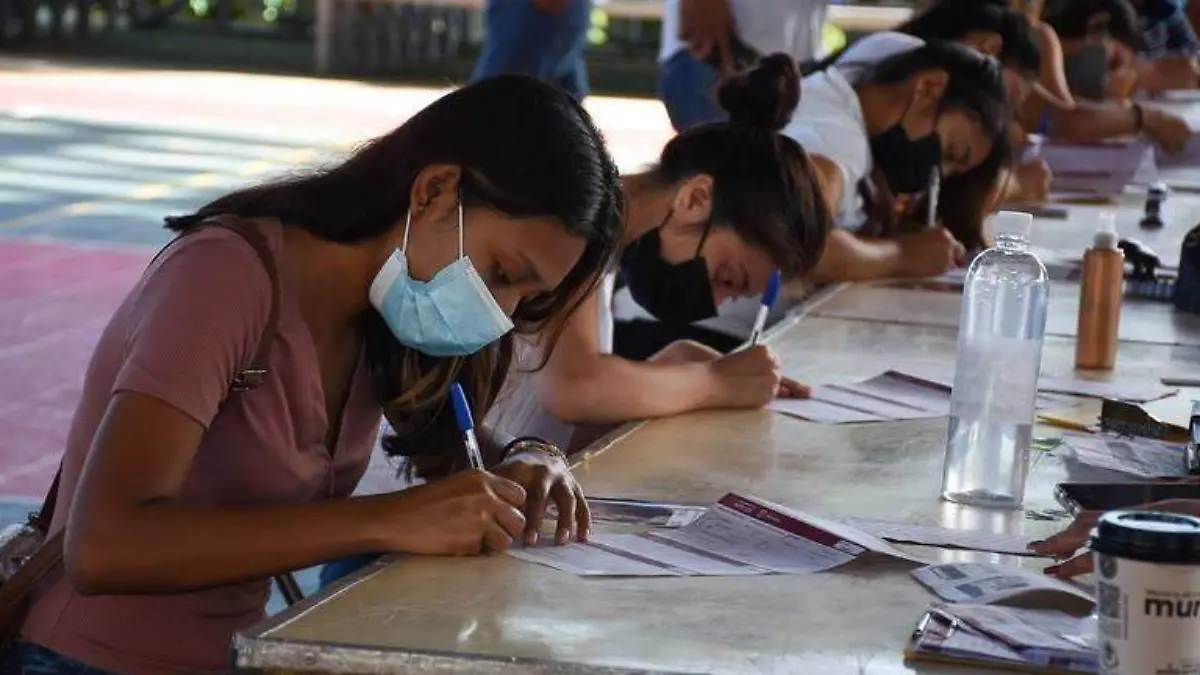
(739,536)
(1047,633)
(1071,386)
(932,535)
(982,584)
(589,560)
(881,398)
(637,512)
(1138,457)
(756,532)
(888,397)
(1008,635)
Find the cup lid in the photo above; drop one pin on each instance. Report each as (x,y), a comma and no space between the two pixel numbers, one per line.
(1149,536)
(1012,224)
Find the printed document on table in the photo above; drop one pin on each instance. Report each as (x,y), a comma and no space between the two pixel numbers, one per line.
(983,584)
(888,397)
(1026,639)
(932,535)
(1071,386)
(739,536)
(1132,456)
(1099,168)
(1040,633)
(756,532)
(637,512)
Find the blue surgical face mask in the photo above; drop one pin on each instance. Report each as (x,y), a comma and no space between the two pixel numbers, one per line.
(453,314)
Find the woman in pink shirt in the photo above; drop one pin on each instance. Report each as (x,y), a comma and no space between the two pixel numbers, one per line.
(373,285)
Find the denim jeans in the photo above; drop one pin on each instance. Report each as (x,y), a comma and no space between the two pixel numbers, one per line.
(26,658)
(521,39)
(687,86)
(332,571)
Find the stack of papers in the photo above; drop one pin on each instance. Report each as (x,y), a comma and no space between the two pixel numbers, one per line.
(738,536)
(1100,168)
(1043,641)
(1125,455)
(888,397)
(983,584)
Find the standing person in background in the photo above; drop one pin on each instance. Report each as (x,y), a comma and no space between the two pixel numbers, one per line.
(703,39)
(545,39)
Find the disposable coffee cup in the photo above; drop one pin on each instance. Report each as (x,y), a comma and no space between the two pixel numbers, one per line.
(1148,593)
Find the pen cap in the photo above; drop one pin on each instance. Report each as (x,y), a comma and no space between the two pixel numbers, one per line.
(1012,225)
(462,411)
(1106,231)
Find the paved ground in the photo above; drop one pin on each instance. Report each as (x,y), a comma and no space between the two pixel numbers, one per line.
(91,159)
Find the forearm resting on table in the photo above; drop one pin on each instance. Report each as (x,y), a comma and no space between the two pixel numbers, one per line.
(166,547)
(1088,122)
(848,257)
(611,389)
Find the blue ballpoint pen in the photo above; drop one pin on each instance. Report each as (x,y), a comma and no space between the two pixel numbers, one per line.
(466,423)
(768,301)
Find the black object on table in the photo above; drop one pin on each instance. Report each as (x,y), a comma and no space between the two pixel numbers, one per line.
(1155,196)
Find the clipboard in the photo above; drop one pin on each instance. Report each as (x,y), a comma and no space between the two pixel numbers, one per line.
(935,627)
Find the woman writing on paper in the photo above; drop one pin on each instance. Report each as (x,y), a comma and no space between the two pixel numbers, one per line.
(876,122)
(1098,39)
(726,205)
(999,30)
(373,285)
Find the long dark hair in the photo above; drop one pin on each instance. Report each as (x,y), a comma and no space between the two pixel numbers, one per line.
(1069,18)
(952,20)
(764,186)
(526,149)
(976,87)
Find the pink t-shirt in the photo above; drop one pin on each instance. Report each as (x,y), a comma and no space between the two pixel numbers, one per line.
(187,328)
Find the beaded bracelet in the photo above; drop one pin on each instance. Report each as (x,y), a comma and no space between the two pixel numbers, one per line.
(532,444)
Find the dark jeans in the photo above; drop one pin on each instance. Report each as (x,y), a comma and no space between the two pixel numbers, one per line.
(26,658)
(337,569)
(687,88)
(521,39)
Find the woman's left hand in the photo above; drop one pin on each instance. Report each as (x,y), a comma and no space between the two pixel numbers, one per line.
(544,477)
(789,388)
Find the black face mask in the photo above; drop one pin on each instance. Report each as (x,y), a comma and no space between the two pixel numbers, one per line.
(1087,72)
(907,164)
(679,294)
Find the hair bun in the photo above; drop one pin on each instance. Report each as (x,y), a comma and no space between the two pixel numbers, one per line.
(763,96)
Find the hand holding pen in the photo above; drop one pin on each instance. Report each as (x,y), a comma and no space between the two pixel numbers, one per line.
(542,478)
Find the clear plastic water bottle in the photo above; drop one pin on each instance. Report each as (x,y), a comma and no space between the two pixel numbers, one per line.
(999,358)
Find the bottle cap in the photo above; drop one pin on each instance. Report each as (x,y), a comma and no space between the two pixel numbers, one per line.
(1148,536)
(1012,224)
(1106,231)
